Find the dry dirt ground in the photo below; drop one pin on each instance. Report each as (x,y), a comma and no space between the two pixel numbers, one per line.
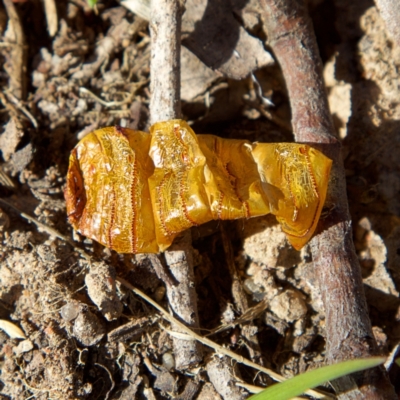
(86,336)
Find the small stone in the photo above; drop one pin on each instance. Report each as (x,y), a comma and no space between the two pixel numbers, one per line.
(70,311)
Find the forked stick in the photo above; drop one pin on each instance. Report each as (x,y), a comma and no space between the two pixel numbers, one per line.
(348,328)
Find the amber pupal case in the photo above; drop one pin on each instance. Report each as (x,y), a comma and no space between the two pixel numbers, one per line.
(134,192)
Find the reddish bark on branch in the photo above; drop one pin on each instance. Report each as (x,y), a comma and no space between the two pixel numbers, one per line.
(348,328)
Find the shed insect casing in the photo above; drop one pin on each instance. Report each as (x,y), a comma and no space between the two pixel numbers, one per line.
(108,173)
(134,192)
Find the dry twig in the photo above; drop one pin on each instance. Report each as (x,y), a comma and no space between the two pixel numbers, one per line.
(348,328)
(17,58)
(165,105)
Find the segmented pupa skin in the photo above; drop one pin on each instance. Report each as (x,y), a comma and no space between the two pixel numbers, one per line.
(134,192)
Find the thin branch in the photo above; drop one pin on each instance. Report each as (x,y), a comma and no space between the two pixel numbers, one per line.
(165,30)
(348,327)
(165,104)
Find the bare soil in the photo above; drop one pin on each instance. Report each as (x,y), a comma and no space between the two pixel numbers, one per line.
(86,335)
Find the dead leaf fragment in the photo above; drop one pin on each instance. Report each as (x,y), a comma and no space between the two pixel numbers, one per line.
(196,77)
(138,7)
(211,32)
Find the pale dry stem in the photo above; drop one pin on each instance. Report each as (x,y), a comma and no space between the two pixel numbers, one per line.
(165,27)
